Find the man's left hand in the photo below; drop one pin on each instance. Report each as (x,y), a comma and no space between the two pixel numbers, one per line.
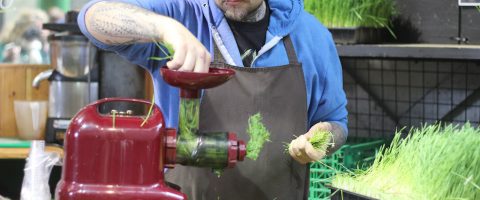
(302,150)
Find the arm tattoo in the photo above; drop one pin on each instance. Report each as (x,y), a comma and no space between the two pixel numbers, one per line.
(132,41)
(121,28)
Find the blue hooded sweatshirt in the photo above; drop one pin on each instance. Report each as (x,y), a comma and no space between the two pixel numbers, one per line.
(313,43)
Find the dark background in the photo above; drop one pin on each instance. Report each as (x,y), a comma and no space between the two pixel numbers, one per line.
(435,21)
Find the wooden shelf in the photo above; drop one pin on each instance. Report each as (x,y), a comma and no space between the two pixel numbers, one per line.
(22,153)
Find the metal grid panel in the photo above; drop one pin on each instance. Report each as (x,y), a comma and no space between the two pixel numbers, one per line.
(388,94)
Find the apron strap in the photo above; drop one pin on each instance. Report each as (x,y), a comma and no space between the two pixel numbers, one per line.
(292,56)
(217,55)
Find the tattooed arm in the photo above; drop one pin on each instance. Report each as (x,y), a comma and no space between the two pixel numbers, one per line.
(116,23)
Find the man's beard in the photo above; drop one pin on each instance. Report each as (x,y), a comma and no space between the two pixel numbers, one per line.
(245,14)
(236,14)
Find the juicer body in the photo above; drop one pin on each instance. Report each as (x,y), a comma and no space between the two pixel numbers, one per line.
(115,157)
(109,156)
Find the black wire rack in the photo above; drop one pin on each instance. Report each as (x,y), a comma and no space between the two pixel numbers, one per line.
(387,94)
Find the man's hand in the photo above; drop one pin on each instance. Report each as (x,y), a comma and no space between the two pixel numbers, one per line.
(302,150)
(190,54)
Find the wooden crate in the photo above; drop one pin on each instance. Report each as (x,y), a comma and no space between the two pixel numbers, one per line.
(16,84)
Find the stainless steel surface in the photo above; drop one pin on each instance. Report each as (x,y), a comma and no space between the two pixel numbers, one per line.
(67,98)
(72,55)
(42,76)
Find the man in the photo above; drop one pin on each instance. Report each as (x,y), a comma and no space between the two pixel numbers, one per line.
(286,68)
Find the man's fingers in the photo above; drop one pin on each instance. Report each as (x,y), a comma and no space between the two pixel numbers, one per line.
(200,65)
(178,59)
(312,153)
(295,153)
(292,149)
(292,153)
(207,60)
(298,150)
(303,152)
(190,54)
(189,62)
(302,142)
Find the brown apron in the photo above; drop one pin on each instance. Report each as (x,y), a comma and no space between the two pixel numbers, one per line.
(279,94)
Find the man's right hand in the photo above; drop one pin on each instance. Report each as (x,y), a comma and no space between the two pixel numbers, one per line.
(190,54)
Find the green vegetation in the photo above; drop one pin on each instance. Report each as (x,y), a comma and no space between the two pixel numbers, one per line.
(320,140)
(199,149)
(258,136)
(432,162)
(188,118)
(188,126)
(168,55)
(352,13)
(168,51)
(152,103)
(113,118)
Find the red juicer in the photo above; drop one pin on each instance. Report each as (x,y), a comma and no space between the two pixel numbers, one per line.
(112,156)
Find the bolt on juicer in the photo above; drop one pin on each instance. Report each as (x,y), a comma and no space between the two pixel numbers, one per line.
(109,156)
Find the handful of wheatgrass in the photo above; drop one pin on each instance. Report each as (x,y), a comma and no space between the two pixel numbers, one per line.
(258,136)
(432,162)
(320,140)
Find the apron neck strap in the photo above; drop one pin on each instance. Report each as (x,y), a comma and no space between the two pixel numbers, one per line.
(217,55)
(292,56)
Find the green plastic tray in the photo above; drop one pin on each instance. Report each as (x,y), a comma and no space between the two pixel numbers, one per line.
(353,155)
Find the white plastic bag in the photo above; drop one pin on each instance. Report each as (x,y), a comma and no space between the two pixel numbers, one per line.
(37,172)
